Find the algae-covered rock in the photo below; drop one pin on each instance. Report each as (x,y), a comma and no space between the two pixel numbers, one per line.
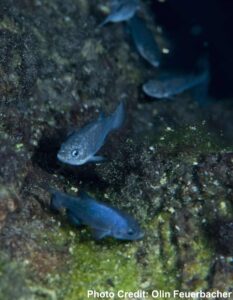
(167,166)
(13,280)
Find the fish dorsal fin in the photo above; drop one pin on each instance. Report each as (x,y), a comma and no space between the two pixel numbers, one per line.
(70,132)
(98,234)
(89,201)
(83,195)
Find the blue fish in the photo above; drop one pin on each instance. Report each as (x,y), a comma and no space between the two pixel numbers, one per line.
(169,85)
(121,11)
(144,41)
(82,145)
(103,219)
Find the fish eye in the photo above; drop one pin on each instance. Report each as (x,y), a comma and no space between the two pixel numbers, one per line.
(75,153)
(130,232)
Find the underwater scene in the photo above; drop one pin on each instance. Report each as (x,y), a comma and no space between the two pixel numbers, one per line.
(116,149)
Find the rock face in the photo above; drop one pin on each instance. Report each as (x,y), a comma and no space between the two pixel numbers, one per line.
(168,166)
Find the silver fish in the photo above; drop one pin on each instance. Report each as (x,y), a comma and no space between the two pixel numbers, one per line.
(121,11)
(104,220)
(169,85)
(144,41)
(82,145)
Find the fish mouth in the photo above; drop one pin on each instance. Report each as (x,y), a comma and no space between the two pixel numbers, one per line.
(61,158)
(137,237)
(140,235)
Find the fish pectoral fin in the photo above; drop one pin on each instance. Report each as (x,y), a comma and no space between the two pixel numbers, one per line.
(73,219)
(99,233)
(105,21)
(97,158)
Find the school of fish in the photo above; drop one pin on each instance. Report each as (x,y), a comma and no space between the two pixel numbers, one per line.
(82,145)
(164,87)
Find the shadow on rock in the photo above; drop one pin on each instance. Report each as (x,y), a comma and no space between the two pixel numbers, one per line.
(220,235)
(45,156)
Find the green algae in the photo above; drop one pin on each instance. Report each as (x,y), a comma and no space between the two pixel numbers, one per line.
(106,265)
(112,265)
(115,263)
(164,273)
(188,142)
(197,270)
(39,293)
(13,280)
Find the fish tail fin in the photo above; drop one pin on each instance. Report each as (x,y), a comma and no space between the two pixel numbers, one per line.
(118,116)
(203,65)
(203,62)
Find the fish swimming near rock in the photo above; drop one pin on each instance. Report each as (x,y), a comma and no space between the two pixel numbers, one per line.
(103,219)
(82,145)
(121,11)
(144,41)
(169,85)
